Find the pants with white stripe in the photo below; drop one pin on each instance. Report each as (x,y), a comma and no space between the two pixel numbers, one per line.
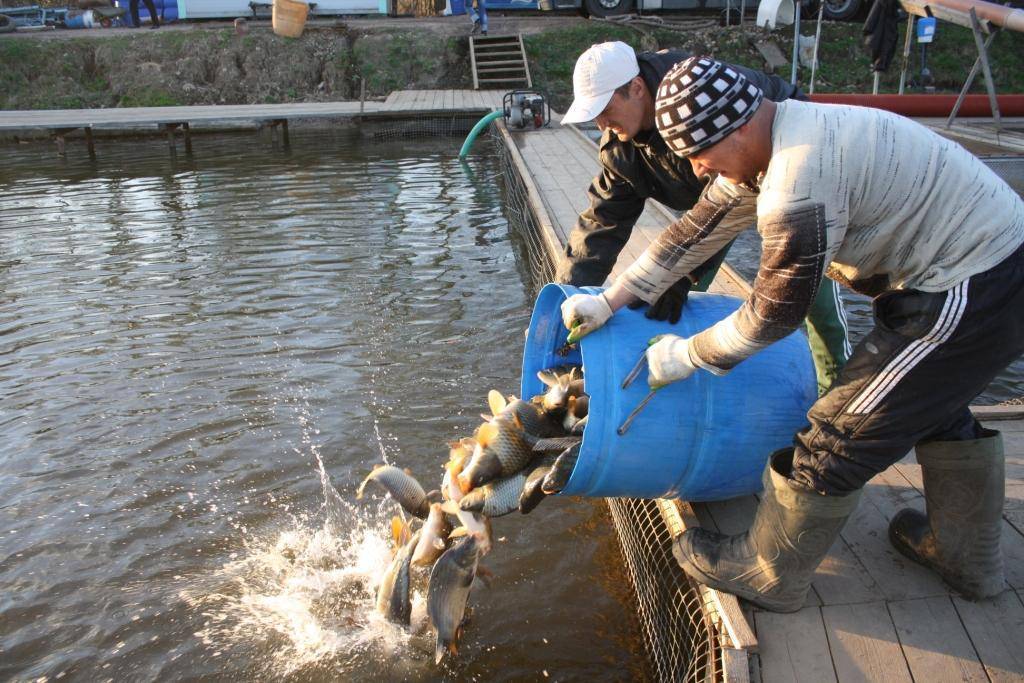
(912,378)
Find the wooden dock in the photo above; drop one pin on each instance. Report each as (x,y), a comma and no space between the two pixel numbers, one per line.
(171,120)
(872,615)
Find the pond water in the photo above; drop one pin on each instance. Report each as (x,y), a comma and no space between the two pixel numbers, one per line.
(200,359)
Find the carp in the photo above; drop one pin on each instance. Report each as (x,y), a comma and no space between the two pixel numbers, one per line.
(448,592)
(403,487)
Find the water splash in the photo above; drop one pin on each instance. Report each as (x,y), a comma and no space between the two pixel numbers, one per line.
(304,596)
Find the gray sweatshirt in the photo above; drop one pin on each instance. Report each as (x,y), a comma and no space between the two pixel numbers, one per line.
(873,200)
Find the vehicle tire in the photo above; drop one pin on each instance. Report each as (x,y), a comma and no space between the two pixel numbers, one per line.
(607,8)
(7,24)
(842,10)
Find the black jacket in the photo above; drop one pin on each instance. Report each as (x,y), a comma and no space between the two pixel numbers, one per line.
(637,170)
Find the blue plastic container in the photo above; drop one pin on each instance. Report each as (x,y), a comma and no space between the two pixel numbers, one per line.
(458,7)
(705,438)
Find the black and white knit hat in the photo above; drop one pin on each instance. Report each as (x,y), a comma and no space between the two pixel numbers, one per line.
(700,101)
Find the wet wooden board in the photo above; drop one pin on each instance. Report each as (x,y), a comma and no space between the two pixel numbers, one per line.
(873,615)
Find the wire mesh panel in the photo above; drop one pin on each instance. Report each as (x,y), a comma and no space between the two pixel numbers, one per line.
(678,632)
(423,126)
(523,224)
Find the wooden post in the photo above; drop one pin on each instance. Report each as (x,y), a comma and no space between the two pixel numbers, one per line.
(188,138)
(58,137)
(362,96)
(284,132)
(89,143)
(169,131)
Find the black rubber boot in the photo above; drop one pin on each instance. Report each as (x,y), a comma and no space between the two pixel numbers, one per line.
(771,564)
(959,537)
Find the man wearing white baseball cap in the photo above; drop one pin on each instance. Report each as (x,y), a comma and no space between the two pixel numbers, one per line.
(615,86)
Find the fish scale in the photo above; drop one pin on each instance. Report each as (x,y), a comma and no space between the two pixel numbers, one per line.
(497,498)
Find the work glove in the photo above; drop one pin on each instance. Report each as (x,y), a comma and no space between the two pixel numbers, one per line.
(668,360)
(584,313)
(669,305)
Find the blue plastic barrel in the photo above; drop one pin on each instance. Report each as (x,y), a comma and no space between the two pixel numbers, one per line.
(705,438)
(458,7)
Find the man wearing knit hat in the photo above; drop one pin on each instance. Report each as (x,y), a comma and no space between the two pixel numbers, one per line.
(615,86)
(891,210)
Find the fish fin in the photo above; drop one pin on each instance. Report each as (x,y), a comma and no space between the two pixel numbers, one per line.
(485,575)
(439,651)
(462,481)
(495,401)
(468,442)
(548,378)
(486,433)
(397,529)
(487,417)
(556,443)
(451,507)
(459,532)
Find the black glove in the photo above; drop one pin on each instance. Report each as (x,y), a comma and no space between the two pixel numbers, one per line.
(669,305)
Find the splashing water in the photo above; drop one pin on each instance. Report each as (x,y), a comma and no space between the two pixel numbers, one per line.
(306,598)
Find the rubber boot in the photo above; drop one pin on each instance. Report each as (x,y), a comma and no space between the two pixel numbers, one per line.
(772,563)
(959,536)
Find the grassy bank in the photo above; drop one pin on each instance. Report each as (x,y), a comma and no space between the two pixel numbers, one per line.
(204,66)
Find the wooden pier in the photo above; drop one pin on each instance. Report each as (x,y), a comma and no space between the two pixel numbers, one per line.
(170,120)
(872,615)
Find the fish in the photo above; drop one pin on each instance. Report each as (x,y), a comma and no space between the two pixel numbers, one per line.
(560,387)
(501,450)
(471,521)
(558,477)
(393,593)
(532,493)
(531,417)
(448,592)
(403,487)
(495,499)
(432,537)
(556,443)
(577,411)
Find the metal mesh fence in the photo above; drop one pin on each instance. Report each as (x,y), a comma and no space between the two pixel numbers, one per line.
(434,125)
(677,626)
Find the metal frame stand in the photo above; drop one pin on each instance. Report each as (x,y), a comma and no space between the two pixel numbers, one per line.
(796,40)
(977,27)
(907,42)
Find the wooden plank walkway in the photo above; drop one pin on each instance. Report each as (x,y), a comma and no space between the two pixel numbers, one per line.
(400,102)
(871,615)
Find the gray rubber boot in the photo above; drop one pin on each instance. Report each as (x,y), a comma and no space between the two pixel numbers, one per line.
(770,565)
(959,537)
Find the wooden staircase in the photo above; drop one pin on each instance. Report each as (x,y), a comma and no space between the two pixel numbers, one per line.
(499,62)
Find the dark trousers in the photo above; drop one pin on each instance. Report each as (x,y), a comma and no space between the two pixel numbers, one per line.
(912,378)
(133,7)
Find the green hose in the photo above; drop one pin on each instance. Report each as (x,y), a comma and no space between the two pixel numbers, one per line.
(480,125)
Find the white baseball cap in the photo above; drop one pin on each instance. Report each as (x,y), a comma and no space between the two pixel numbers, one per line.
(599,71)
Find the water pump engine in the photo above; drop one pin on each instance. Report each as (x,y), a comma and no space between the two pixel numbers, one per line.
(526,109)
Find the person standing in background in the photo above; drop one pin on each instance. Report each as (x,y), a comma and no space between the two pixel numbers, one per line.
(478,13)
(133,7)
